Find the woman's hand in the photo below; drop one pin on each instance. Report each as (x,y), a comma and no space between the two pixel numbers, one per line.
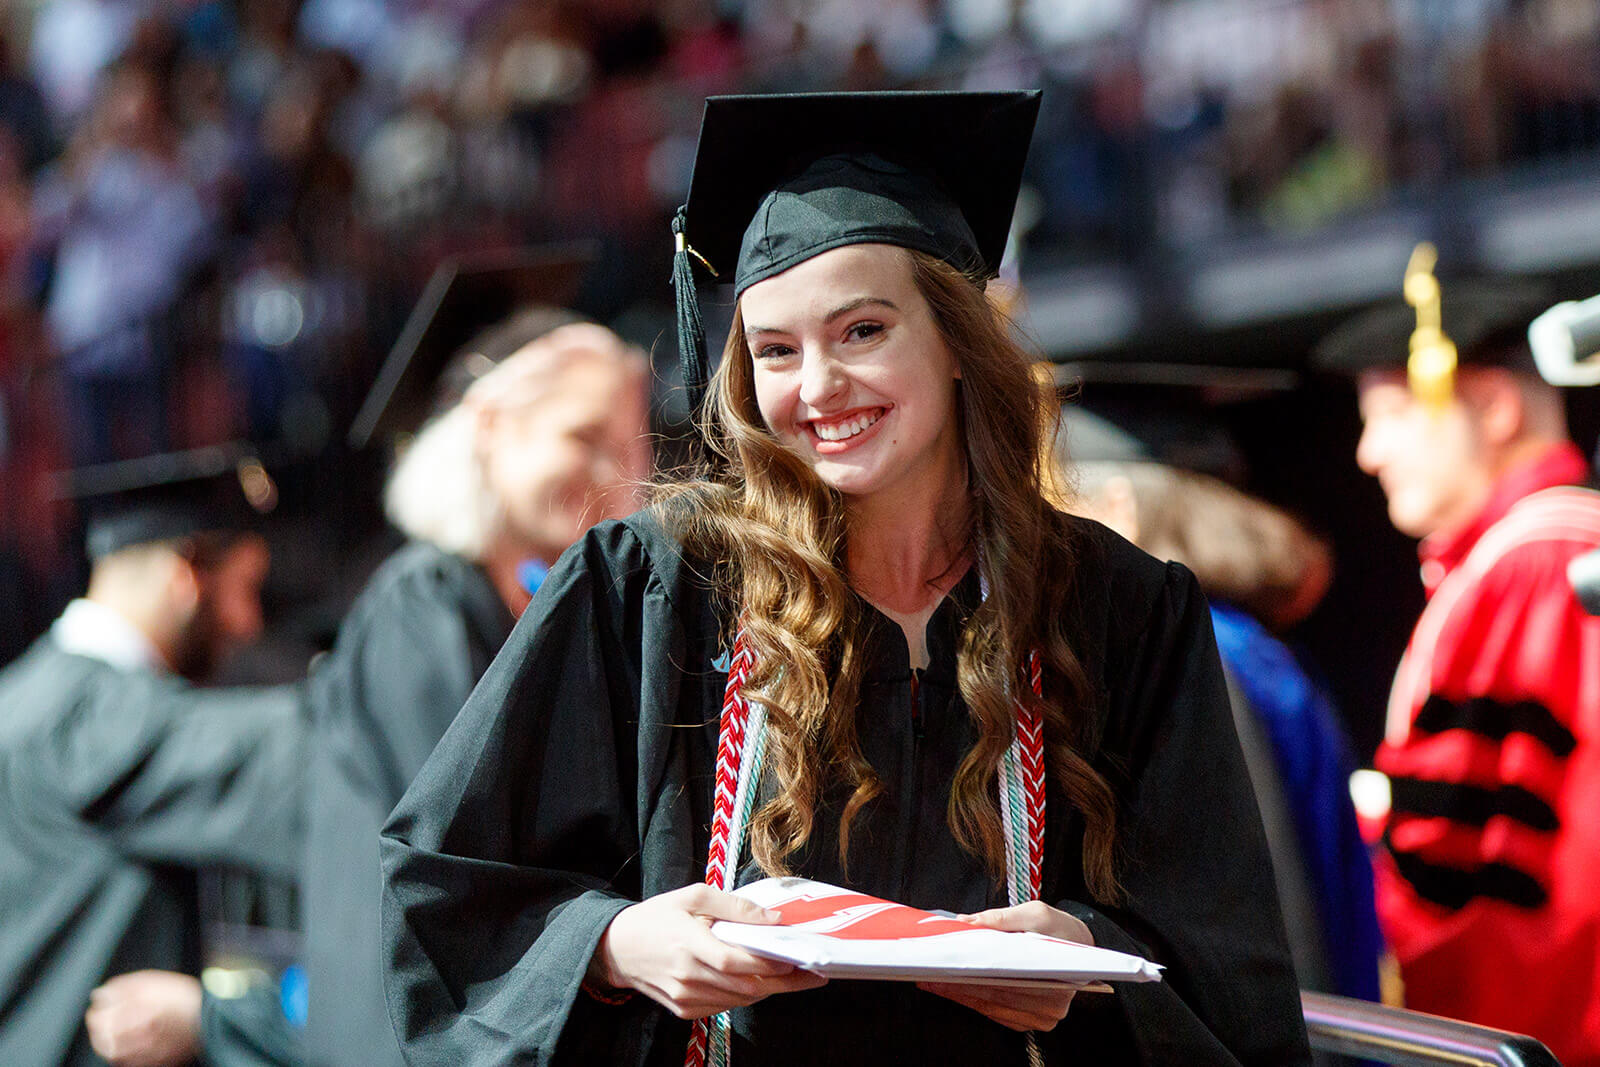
(1013,1006)
(664,948)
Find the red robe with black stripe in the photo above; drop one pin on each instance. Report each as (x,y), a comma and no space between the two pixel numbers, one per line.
(1490,890)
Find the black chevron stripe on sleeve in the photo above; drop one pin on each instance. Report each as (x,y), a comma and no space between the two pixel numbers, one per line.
(1454,888)
(1471,804)
(1496,720)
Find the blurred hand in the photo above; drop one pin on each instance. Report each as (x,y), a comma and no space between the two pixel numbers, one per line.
(146,1019)
(664,948)
(1019,1008)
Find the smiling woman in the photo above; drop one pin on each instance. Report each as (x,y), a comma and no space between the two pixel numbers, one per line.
(861,646)
(854,377)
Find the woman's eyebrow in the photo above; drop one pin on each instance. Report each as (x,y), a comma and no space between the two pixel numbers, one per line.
(857,304)
(843,309)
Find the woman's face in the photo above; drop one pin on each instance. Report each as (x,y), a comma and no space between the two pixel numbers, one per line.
(852,374)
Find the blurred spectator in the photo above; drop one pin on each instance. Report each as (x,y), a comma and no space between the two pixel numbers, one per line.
(22,110)
(127,231)
(72,42)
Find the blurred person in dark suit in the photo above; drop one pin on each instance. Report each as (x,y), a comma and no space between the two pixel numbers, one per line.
(122,779)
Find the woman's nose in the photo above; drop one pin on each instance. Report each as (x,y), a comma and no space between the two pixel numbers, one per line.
(821,379)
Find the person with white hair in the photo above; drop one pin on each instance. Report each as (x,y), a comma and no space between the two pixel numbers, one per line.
(543,444)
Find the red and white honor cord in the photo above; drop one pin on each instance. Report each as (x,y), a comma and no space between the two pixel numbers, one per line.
(741,748)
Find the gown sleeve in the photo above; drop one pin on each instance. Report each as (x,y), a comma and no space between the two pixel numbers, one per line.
(170,773)
(1198,887)
(518,842)
(248,1031)
(404,664)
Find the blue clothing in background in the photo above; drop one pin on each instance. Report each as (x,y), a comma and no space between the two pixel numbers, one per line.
(1314,762)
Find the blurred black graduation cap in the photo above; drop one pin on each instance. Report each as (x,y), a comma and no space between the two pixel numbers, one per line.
(218,489)
(1150,424)
(465,295)
(1486,318)
(779,179)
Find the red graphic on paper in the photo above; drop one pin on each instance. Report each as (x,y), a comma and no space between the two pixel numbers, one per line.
(858,917)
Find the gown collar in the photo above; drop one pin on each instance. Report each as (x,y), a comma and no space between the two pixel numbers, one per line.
(889,658)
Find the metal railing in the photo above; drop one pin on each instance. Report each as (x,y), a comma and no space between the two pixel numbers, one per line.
(1392,1035)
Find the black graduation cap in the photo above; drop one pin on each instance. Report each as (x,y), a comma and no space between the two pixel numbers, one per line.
(1148,424)
(218,489)
(1486,318)
(464,295)
(779,179)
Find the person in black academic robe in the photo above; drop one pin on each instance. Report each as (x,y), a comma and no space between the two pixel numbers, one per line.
(423,632)
(435,614)
(537,864)
(578,780)
(120,780)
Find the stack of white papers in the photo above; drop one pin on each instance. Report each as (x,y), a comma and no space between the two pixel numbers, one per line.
(839,933)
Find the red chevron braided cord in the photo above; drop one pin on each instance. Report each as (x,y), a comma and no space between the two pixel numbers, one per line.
(699,1036)
(1030,731)
(730,753)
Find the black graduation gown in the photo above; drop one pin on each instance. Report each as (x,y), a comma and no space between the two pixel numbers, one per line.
(578,778)
(424,630)
(248,1031)
(114,787)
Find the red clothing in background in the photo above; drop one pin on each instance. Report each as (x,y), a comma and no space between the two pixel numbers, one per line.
(1490,893)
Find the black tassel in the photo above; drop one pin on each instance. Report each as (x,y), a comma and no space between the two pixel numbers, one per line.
(691,331)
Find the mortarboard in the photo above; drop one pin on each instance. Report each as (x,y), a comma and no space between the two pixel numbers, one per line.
(779,179)
(222,488)
(1148,424)
(1486,318)
(464,296)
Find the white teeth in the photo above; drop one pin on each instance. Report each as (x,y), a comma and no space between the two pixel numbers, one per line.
(844,430)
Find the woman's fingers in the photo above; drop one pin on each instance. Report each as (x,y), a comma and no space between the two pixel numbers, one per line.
(715,904)
(664,948)
(1037,917)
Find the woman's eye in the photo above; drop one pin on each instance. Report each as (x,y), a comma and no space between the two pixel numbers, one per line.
(769,352)
(863,330)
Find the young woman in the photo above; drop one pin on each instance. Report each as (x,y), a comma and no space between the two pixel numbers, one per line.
(868,590)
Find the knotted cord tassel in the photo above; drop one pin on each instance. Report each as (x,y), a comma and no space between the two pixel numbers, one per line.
(691,331)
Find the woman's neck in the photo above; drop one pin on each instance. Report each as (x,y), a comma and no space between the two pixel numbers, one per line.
(903,556)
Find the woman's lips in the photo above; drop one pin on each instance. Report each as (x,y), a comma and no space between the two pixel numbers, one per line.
(844,432)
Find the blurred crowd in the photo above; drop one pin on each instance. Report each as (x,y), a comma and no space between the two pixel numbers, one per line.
(213,215)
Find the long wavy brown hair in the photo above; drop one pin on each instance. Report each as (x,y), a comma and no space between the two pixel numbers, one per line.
(778,536)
